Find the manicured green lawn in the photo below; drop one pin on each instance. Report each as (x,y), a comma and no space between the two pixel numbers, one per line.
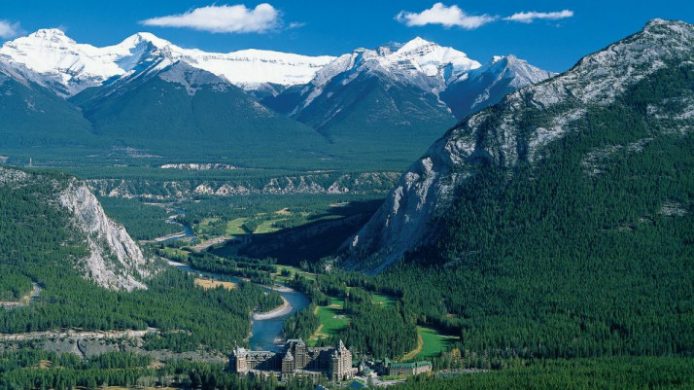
(434,342)
(331,319)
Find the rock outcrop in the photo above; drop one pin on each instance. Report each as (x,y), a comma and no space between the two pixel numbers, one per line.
(312,183)
(115,261)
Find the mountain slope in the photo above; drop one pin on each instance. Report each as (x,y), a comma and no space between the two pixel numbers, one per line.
(377,113)
(487,85)
(62,215)
(399,98)
(90,280)
(28,114)
(558,223)
(371,102)
(174,109)
(598,108)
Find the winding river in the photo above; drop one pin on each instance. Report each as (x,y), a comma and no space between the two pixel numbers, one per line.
(266,333)
(266,330)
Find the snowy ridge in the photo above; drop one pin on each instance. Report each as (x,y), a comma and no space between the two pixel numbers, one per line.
(420,62)
(520,71)
(421,56)
(68,67)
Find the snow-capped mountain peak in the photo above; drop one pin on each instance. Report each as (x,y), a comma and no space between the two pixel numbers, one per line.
(474,90)
(58,62)
(52,59)
(431,58)
(141,37)
(50,34)
(422,67)
(415,43)
(424,63)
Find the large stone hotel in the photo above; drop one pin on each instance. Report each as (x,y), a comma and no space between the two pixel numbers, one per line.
(296,359)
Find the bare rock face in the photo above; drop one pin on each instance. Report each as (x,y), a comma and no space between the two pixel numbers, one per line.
(314,183)
(115,261)
(499,135)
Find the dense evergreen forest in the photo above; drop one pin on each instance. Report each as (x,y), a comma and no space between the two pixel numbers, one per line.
(35,369)
(39,245)
(571,257)
(611,373)
(374,330)
(144,222)
(14,284)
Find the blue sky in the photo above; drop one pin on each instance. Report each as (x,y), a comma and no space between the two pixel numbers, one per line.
(554,39)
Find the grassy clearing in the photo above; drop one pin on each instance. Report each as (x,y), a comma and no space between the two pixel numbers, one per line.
(383,300)
(415,352)
(207,226)
(267,226)
(235,227)
(433,342)
(291,271)
(332,320)
(210,284)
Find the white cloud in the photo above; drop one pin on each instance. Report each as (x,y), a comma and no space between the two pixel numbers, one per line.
(295,25)
(223,19)
(529,17)
(451,16)
(9,30)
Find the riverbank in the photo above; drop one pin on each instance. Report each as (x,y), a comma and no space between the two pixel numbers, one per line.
(280,311)
(267,327)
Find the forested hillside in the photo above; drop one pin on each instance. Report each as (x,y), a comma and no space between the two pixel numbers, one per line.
(41,245)
(582,247)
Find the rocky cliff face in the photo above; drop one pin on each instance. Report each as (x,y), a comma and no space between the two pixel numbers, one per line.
(115,261)
(504,135)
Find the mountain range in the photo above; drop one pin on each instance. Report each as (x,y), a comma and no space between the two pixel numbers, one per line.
(249,107)
(594,146)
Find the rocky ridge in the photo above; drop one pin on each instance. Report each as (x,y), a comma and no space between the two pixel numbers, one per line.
(325,183)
